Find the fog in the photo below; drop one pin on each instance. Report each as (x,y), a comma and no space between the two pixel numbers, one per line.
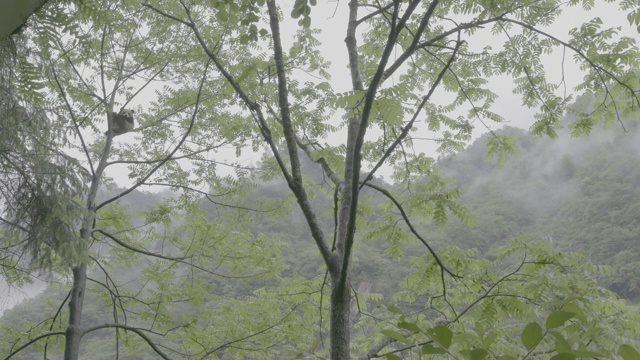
(11,295)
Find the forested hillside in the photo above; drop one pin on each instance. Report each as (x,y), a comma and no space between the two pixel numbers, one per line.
(579,195)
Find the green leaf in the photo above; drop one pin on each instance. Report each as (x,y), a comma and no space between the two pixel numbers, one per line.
(245,39)
(409,326)
(393,357)
(295,13)
(588,354)
(395,335)
(563,356)
(578,312)
(531,335)
(442,335)
(394,309)
(305,22)
(479,329)
(222,16)
(629,353)
(506,357)
(429,349)
(478,354)
(561,343)
(558,318)
(634,18)
(489,339)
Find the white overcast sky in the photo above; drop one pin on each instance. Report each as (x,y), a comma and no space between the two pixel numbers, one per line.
(331,17)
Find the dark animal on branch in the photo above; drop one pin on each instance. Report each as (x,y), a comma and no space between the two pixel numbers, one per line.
(122,122)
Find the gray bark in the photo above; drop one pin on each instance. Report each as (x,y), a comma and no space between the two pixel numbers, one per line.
(76,301)
(75,329)
(340,314)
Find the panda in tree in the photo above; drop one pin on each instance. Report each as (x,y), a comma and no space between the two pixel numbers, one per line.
(122,122)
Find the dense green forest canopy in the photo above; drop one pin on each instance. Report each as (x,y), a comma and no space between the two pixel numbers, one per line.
(347,239)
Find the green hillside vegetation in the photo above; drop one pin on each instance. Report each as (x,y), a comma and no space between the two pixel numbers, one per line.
(577,195)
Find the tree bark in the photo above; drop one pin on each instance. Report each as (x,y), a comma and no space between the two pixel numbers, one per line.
(340,314)
(76,301)
(75,331)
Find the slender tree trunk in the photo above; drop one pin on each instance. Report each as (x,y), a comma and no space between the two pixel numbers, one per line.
(340,313)
(75,330)
(76,301)
(341,292)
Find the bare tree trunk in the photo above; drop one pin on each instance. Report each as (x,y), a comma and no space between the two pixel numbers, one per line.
(340,313)
(340,289)
(335,261)
(75,330)
(76,301)
(341,292)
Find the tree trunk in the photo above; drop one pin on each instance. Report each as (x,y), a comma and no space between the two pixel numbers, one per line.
(75,331)
(340,311)
(76,301)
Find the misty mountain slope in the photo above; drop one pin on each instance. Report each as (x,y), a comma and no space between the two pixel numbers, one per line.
(580,194)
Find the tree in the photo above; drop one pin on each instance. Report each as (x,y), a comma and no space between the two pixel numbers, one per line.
(40,184)
(79,74)
(399,55)
(418,69)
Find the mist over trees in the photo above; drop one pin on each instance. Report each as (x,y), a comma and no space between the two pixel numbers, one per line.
(309,252)
(578,194)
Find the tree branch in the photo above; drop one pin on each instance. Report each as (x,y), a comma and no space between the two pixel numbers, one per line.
(295,183)
(579,53)
(132,329)
(249,336)
(386,193)
(396,26)
(56,333)
(177,147)
(407,128)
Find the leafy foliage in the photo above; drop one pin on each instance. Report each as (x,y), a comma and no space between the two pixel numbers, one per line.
(41,186)
(216,81)
(476,313)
